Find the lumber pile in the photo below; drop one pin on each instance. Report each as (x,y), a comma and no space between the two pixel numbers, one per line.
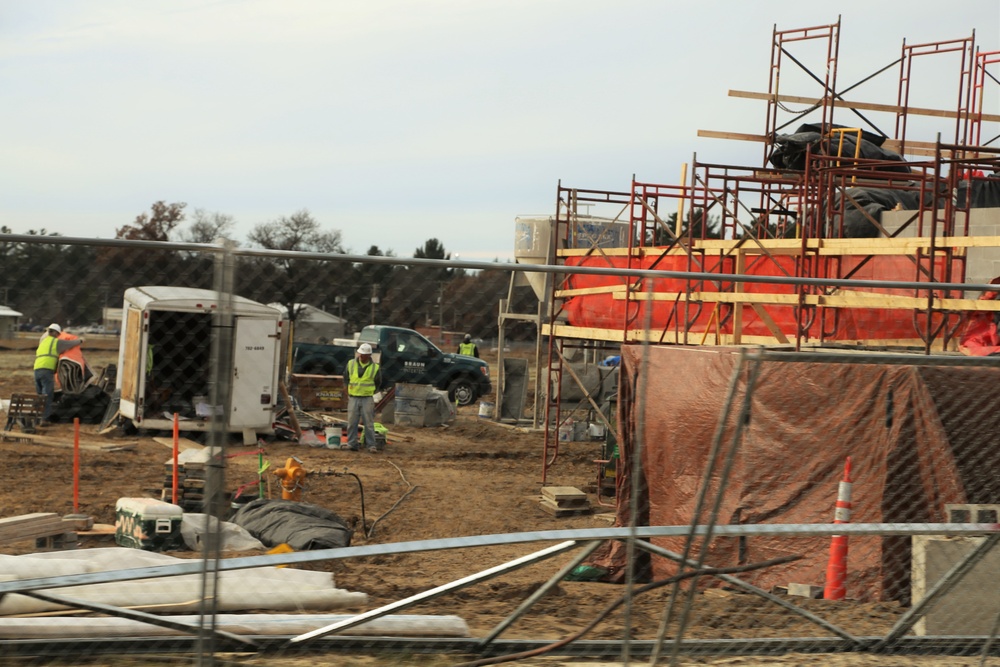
(49,530)
(66,442)
(564,501)
(190,485)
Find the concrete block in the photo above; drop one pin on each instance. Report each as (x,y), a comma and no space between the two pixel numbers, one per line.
(971,606)
(806,591)
(972,513)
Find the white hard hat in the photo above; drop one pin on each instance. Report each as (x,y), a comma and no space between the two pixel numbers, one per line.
(365,349)
(55,327)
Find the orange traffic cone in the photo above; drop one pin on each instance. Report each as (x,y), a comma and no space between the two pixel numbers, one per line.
(836,569)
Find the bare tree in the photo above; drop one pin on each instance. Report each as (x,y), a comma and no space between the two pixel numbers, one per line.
(207,227)
(297,281)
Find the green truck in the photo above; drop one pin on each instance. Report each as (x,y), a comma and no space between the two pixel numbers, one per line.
(405,356)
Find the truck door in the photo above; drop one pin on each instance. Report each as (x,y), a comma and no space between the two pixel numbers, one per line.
(410,359)
(255,372)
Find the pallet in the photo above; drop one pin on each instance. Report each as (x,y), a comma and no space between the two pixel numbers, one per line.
(557,511)
(26,410)
(565,501)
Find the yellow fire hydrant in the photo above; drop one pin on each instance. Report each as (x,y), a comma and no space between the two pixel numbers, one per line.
(292,477)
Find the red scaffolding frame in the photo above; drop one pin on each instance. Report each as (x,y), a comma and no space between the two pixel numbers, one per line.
(781,223)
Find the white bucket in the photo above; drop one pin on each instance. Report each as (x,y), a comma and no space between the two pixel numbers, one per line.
(566,432)
(333,434)
(596,430)
(486,410)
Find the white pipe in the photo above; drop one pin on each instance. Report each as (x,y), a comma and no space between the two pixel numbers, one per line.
(242,624)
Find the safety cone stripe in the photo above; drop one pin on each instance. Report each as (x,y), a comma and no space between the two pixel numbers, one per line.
(836,569)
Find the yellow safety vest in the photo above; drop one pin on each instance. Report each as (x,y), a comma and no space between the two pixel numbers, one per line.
(468,349)
(47,354)
(364,384)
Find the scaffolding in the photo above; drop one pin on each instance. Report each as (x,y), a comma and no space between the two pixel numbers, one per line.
(786,231)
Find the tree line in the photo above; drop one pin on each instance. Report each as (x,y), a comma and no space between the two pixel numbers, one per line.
(73,283)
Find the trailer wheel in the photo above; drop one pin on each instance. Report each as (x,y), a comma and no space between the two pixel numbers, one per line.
(462,391)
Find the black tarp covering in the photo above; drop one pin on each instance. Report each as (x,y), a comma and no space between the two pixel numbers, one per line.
(981,192)
(299,525)
(864,202)
(790,149)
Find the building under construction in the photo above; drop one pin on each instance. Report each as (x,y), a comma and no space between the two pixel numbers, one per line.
(852,235)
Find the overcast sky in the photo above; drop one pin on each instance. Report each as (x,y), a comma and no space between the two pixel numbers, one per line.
(395,121)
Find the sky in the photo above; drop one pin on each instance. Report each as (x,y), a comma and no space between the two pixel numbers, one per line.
(396,121)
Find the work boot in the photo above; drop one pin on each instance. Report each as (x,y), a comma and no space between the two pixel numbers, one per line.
(348,447)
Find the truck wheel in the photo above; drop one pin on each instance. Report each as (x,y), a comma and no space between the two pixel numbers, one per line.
(462,391)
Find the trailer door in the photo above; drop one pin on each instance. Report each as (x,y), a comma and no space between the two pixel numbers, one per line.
(132,364)
(255,372)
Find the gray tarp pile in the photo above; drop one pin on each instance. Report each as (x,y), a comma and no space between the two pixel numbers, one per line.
(299,525)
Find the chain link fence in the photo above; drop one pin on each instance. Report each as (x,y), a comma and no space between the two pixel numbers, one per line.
(210,380)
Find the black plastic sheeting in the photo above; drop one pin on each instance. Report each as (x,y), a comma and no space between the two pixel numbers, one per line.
(980,192)
(864,202)
(89,405)
(299,525)
(790,151)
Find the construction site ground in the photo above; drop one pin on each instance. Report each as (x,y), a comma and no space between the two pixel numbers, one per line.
(472,477)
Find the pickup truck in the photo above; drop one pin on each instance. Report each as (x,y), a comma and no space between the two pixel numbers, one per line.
(405,356)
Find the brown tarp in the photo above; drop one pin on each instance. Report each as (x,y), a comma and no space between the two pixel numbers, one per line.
(918,436)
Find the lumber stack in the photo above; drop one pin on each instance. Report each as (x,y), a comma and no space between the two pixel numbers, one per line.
(190,485)
(49,530)
(564,501)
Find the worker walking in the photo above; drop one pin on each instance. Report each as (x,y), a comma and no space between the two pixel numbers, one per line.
(468,348)
(364,378)
(46,362)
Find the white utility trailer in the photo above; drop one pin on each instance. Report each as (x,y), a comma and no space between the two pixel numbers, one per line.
(164,361)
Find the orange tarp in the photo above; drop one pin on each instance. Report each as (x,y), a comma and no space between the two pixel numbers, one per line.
(918,436)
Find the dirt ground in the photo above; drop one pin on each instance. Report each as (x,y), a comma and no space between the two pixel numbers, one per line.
(473,477)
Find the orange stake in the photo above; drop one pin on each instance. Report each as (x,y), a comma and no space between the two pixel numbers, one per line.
(836,569)
(76,465)
(177,447)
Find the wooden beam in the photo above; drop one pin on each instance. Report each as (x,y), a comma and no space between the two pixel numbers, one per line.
(183,444)
(865,106)
(66,442)
(841,299)
(769,322)
(583,291)
(923,148)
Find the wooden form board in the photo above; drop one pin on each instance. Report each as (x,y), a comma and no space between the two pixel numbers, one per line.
(833,247)
(66,442)
(33,527)
(671,337)
(182,443)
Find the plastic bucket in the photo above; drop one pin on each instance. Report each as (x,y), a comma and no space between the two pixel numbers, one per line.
(566,432)
(486,410)
(333,434)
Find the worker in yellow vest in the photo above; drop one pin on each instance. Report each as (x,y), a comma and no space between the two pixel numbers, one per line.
(364,378)
(468,348)
(46,363)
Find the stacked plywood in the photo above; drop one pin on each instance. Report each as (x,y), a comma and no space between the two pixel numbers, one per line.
(190,485)
(564,501)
